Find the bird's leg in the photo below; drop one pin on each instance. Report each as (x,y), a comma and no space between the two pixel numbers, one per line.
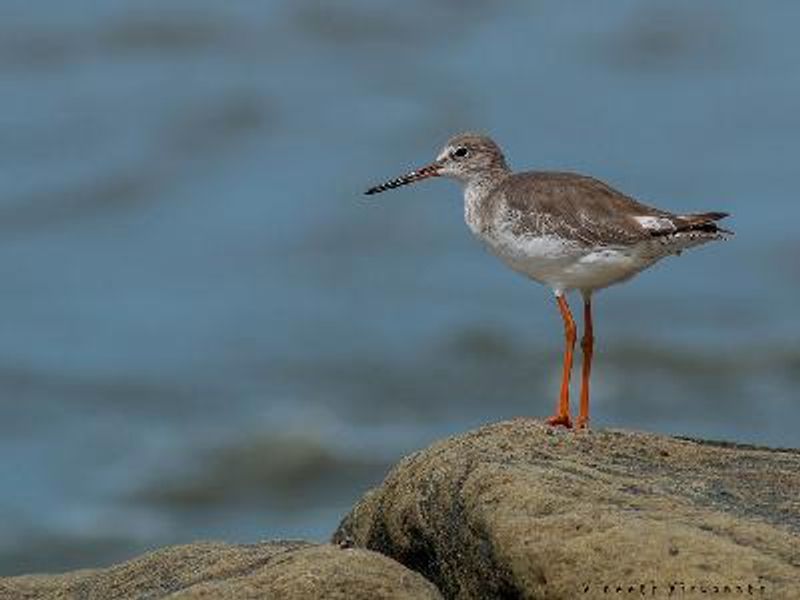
(562,416)
(587,345)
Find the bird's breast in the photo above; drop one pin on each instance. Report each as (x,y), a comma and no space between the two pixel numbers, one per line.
(476,211)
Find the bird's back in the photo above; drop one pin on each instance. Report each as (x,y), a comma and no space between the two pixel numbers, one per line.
(585,210)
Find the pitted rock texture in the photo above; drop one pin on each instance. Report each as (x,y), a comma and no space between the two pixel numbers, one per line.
(522,510)
(274,570)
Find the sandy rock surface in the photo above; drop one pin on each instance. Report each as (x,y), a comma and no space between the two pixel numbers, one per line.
(274,570)
(520,510)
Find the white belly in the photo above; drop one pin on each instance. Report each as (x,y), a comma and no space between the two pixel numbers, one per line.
(565,265)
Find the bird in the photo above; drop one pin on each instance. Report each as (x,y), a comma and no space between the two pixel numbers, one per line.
(570,232)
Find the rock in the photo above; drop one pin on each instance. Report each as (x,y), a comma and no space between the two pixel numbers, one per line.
(274,570)
(520,510)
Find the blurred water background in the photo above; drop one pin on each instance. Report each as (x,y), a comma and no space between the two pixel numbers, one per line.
(209,332)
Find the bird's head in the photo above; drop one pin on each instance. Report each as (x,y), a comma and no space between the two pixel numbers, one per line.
(466,157)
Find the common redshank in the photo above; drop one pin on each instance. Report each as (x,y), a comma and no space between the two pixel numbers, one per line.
(567,231)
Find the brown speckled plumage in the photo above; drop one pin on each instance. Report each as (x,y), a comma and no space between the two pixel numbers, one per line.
(585,210)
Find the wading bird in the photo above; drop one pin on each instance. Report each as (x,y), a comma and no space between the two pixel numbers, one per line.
(564,230)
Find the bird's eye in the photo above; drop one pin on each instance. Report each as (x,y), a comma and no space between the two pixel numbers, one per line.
(460,152)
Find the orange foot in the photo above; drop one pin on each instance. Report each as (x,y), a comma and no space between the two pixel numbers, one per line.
(557,420)
(582,423)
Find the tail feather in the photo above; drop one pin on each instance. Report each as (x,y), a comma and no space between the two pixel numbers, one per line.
(700,222)
(704,222)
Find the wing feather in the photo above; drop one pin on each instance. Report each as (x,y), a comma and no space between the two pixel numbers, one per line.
(590,211)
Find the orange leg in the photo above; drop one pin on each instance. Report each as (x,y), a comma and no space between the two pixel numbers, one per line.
(587,345)
(562,416)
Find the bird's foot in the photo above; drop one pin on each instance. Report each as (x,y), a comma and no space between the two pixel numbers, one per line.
(556,420)
(582,423)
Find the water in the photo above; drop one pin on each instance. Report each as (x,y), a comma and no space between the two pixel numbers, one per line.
(209,332)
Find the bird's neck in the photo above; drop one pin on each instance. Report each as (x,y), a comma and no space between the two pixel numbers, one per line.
(477,192)
(480,184)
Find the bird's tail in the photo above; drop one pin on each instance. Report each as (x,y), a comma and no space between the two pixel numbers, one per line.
(702,222)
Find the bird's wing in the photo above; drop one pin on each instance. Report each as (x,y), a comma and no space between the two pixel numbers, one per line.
(590,212)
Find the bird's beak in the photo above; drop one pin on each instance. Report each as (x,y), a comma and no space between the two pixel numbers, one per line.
(432,170)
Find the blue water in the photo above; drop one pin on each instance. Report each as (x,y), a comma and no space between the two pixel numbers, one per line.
(210,332)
